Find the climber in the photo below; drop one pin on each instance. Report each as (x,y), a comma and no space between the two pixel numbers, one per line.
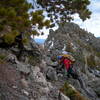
(68,64)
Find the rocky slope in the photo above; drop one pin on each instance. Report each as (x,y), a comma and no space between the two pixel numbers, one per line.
(32,73)
(86,50)
(23,75)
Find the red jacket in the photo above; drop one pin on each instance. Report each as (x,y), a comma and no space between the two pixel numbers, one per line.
(67,63)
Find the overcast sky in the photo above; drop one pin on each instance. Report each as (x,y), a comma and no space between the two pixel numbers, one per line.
(91,25)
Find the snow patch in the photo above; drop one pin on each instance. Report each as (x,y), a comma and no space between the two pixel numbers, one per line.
(87,39)
(51,45)
(64,47)
(49,42)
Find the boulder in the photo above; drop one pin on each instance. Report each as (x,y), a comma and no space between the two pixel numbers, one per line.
(96,86)
(12,58)
(24,68)
(37,76)
(51,74)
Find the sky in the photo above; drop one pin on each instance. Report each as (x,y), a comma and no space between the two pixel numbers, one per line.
(91,25)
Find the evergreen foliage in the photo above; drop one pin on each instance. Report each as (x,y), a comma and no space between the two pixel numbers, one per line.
(61,10)
(18,15)
(10,37)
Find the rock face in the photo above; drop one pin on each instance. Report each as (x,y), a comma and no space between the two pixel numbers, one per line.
(85,49)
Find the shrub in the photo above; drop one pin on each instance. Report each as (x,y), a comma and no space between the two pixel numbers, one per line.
(71,92)
(67,90)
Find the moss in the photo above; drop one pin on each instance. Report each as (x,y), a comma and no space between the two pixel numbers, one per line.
(71,92)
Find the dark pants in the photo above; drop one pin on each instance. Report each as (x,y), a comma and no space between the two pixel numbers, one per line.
(72,73)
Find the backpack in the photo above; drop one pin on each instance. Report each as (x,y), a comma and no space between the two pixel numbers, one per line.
(68,56)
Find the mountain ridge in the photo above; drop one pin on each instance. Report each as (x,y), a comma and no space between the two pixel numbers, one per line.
(84,47)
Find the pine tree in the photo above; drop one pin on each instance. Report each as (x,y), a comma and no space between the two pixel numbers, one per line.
(16,17)
(61,11)
(15,14)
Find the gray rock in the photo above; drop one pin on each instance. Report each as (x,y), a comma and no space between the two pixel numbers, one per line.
(37,76)
(12,58)
(51,74)
(25,68)
(95,85)
(63,97)
(43,98)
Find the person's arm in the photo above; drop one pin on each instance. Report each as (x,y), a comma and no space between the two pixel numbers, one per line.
(61,60)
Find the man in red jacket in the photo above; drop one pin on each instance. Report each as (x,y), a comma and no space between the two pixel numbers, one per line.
(68,65)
